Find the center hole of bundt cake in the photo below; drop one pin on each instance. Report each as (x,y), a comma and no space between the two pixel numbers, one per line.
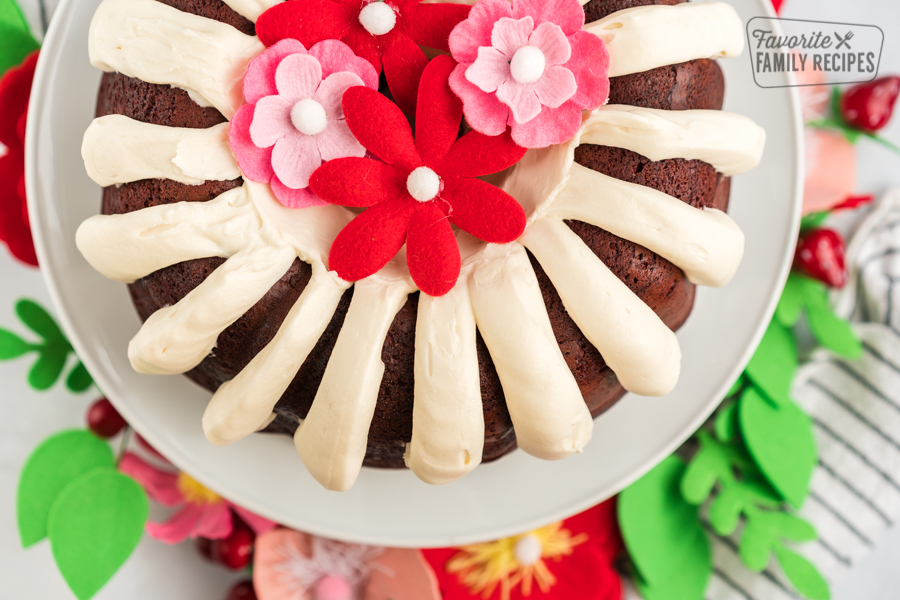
(423,184)
(378,18)
(309,117)
(528,64)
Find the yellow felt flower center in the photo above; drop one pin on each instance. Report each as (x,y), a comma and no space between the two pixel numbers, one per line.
(195,492)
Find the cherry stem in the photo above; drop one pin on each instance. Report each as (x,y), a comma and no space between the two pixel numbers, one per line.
(123,444)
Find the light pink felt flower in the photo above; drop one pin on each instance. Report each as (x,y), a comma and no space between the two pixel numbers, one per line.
(293,120)
(203,512)
(290,565)
(529,65)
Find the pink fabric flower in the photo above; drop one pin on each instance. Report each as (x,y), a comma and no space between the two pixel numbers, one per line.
(529,65)
(293,120)
(203,513)
(290,565)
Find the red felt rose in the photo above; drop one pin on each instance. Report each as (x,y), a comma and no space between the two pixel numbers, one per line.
(584,573)
(15,87)
(387,33)
(421,187)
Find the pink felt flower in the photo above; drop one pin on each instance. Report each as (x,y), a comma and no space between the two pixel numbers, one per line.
(529,65)
(293,120)
(203,512)
(289,565)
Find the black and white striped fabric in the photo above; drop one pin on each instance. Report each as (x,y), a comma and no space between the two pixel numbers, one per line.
(855,409)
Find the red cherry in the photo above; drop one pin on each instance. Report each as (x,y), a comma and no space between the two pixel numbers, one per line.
(242,591)
(104,420)
(205,548)
(869,106)
(820,254)
(235,551)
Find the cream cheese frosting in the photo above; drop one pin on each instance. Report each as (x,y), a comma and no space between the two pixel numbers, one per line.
(117,149)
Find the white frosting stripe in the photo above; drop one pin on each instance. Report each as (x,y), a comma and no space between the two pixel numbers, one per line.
(707,244)
(332,439)
(117,149)
(648,37)
(176,338)
(630,337)
(251,9)
(130,246)
(548,412)
(241,405)
(731,143)
(159,44)
(448,417)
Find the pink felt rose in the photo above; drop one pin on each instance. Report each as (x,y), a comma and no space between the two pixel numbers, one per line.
(529,65)
(293,120)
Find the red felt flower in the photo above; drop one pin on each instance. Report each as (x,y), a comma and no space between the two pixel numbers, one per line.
(421,187)
(575,561)
(384,32)
(15,87)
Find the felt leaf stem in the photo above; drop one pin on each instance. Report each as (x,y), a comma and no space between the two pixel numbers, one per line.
(836,121)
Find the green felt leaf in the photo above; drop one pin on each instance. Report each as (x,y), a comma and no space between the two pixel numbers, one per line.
(12,346)
(737,387)
(725,511)
(662,532)
(790,306)
(832,332)
(785,525)
(59,460)
(79,380)
(756,546)
(805,577)
(726,425)
(709,465)
(48,367)
(691,586)
(94,526)
(16,41)
(40,321)
(781,441)
(814,220)
(774,363)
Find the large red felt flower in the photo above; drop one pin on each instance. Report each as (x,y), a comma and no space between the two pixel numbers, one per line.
(423,185)
(572,559)
(384,32)
(15,87)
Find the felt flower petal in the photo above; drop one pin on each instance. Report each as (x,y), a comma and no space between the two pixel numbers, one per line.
(335,56)
(430,24)
(178,527)
(161,486)
(552,42)
(484,113)
(474,32)
(590,65)
(490,70)
(401,574)
(440,111)
(371,240)
(431,250)
(521,99)
(403,63)
(258,524)
(381,127)
(255,163)
(271,121)
(309,21)
(552,126)
(297,77)
(358,182)
(568,14)
(555,87)
(214,523)
(331,93)
(509,35)
(294,159)
(302,198)
(476,154)
(259,81)
(485,211)
(337,141)
(270,557)
(364,44)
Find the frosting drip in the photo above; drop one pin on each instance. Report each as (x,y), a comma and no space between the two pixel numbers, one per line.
(159,44)
(448,418)
(117,149)
(648,37)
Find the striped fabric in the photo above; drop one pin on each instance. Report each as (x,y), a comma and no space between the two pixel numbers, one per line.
(855,408)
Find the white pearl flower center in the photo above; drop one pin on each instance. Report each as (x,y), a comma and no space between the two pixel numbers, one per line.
(378,18)
(423,184)
(528,64)
(309,117)
(528,550)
